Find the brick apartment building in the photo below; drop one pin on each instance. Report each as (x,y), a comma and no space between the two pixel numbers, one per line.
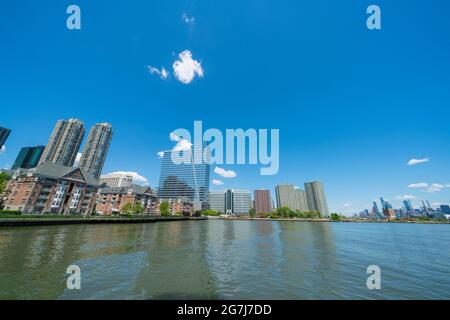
(51,188)
(111,200)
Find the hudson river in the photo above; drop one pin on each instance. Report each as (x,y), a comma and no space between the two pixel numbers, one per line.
(226,260)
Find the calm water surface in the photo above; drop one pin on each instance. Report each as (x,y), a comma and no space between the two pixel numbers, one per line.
(226,260)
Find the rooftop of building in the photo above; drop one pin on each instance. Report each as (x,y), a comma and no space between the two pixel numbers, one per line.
(137,189)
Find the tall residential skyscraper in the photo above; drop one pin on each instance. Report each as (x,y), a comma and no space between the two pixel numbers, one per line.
(64,143)
(96,149)
(315,196)
(263,202)
(289,196)
(375,209)
(408,205)
(4,133)
(187,180)
(28,157)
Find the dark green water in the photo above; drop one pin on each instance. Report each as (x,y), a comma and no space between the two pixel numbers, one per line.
(226,260)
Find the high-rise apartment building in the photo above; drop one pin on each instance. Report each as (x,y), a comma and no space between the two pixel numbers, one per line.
(96,149)
(408,205)
(28,157)
(315,197)
(186,180)
(64,143)
(263,202)
(289,196)
(117,180)
(235,202)
(4,133)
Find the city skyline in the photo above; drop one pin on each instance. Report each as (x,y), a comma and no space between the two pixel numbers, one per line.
(354,107)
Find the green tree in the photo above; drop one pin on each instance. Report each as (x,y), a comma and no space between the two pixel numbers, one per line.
(4,178)
(127,208)
(335,217)
(210,212)
(251,212)
(138,208)
(164,209)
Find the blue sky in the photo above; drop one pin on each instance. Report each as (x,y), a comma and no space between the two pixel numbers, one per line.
(353,106)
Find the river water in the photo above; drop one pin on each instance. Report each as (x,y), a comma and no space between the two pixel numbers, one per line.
(218,259)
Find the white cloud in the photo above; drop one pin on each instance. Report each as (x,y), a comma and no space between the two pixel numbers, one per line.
(77,159)
(174,137)
(348,205)
(413,162)
(182,145)
(160,154)
(3,149)
(217,182)
(137,178)
(163,73)
(185,69)
(225,173)
(188,19)
(405,197)
(420,185)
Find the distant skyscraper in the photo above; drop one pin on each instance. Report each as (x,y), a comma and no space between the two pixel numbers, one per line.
(96,149)
(236,202)
(188,180)
(64,143)
(375,210)
(385,204)
(28,157)
(117,180)
(4,133)
(263,203)
(289,196)
(315,196)
(408,205)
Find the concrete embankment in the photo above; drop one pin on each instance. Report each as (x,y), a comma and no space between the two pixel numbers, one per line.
(15,222)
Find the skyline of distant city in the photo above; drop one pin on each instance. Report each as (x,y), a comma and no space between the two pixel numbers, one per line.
(406,202)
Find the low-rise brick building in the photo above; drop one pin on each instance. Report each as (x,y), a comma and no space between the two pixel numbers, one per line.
(51,188)
(111,200)
(176,206)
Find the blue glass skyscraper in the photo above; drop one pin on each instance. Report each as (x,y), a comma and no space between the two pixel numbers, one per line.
(187,180)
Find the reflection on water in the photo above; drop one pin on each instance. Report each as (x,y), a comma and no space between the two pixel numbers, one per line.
(226,260)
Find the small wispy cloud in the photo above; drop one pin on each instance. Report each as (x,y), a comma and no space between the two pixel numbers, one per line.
(163,73)
(405,197)
(425,187)
(187,18)
(217,182)
(414,162)
(420,185)
(225,173)
(186,68)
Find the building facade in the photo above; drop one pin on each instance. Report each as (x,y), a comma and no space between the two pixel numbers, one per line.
(111,200)
(176,206)
(187,180)
(51,188)
(289,196)
(96,148)
(4,134)
(263,202)
(64,143)
(28,157)
(315,197)
(116,180)
(232,202)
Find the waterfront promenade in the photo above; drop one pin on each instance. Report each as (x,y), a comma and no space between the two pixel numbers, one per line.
(41,221)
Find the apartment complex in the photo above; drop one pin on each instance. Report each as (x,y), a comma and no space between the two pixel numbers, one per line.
(315,196)
(263,202)
(111,200)
(288,195)
(116,180)
(64,143)
(232,202)
(28,157)
(176,206)
(51,188)
(96,149)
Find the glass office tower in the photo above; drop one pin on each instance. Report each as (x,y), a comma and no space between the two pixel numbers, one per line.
(190,181)
(28,157)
